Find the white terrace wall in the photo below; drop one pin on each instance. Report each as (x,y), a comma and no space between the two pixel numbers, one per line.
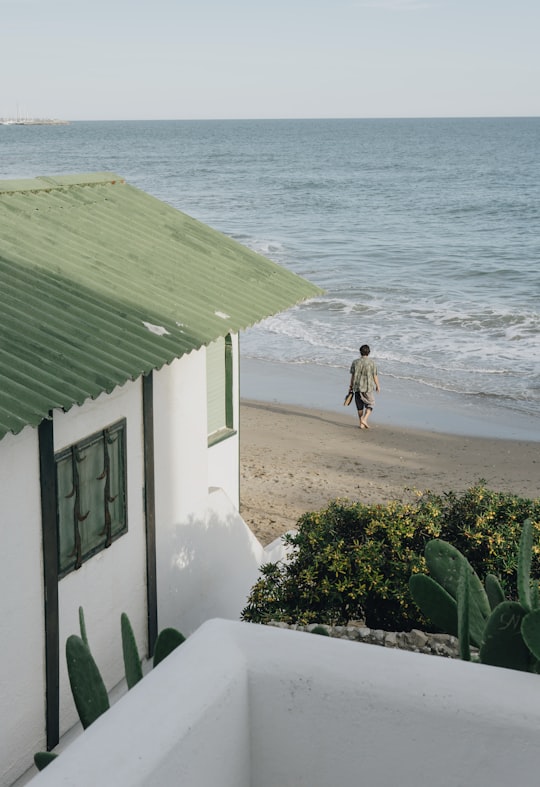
(114,580)
(22,675)
(241,705)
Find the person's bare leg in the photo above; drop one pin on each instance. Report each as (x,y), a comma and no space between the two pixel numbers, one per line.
(363,420)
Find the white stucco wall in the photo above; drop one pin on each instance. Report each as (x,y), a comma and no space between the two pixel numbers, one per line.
(207,559)
(181,468)
(223,467)
(180,445)
(213,563)
(22,677)
(114,580)
(241,705)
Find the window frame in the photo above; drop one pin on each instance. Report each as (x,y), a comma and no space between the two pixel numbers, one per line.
(118,528)
(228,428)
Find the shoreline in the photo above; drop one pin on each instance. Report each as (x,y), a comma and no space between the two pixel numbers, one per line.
(295,459)
(401,403)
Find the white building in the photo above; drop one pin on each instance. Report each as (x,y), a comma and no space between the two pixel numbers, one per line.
(119,452)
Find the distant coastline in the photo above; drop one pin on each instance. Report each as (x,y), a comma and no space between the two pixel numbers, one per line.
(33,122)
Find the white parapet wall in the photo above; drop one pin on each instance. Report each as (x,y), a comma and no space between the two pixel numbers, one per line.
(242,705)
(210,564)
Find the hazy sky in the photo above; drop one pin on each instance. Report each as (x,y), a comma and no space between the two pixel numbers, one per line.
(129,59)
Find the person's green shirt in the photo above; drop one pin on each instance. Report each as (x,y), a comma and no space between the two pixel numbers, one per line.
(364,375)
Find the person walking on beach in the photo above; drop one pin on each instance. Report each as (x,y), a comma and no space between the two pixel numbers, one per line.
(364,381)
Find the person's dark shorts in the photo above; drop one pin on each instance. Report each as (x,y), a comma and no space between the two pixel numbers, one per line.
(364,400)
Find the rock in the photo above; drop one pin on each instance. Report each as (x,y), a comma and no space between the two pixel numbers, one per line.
(417,639)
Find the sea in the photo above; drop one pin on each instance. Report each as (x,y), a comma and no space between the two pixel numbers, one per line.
(423,233)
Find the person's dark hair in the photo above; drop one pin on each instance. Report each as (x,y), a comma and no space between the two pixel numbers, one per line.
(364,349)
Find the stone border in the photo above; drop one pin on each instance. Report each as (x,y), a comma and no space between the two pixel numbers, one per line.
(416,641)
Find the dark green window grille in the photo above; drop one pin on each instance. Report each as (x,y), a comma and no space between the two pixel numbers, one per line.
(91,484)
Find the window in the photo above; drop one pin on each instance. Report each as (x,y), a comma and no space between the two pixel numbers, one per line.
(219,382)
(91,489)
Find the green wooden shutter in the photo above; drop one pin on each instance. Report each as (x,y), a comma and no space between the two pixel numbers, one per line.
(66,504)
(219,385)
(117,490)
(229,417)
(91,482)
(216,385)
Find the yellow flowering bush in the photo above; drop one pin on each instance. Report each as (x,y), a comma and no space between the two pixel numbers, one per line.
(353,561)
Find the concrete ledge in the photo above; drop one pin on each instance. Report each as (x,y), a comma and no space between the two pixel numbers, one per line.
(241,705)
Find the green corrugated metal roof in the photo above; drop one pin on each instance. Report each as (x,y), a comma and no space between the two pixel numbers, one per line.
(101,282)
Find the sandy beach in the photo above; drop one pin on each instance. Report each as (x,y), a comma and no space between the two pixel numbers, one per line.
(294,460)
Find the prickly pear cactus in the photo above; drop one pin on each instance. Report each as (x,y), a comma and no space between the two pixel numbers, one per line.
(167,641)
(494,591)
(43,758)
(503,644)
(464,607)
(530,630)
(435,603)
(132,662)
(445,563)
(82,626)
(87,687)
(320,630)
(524,566)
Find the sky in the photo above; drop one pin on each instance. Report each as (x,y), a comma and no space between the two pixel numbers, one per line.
(199,59)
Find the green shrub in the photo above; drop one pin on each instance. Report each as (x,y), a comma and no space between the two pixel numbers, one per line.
(350,561)
(353,561)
